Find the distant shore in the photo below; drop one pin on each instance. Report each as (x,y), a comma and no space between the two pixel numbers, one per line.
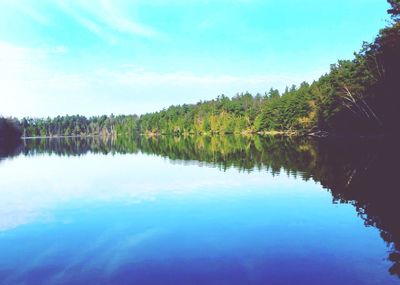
(59,137)
(317,134)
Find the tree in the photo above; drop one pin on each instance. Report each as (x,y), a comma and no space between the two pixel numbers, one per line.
(394,10)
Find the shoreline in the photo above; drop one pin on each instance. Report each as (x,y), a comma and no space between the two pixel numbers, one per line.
(244,133)
(316,135)
(59,137)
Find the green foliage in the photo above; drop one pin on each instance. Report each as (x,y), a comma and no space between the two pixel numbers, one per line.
(242,113)
(394,11)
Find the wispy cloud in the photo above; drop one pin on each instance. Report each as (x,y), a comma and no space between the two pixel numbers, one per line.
(31,12)
(116,18)
(132,75)
(104,18)
(89,24)
(32,76)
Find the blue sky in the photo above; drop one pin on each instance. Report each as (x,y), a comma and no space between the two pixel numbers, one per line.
(103,56)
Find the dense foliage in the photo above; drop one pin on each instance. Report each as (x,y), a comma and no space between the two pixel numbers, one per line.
(9,130)
(9,137)
(242,113)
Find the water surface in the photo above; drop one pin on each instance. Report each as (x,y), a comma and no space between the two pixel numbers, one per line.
(198,210)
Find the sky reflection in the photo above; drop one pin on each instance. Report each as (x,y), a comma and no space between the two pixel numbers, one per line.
(138,219)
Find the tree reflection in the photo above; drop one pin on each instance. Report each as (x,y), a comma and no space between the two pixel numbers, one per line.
(361,173)
(76,146)
(9,149)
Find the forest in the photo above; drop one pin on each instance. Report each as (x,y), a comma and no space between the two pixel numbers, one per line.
(358,96)
(123,125)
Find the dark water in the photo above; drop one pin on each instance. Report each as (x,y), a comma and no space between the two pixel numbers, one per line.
(199,210)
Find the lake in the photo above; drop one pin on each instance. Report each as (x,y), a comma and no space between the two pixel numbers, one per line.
(199,210)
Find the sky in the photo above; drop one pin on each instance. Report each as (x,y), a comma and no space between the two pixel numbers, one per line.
(99,57)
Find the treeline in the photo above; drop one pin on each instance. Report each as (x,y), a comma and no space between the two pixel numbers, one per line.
(243,113)
(356,96)
(78,126)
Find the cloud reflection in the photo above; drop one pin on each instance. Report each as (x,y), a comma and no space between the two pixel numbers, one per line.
(32,188)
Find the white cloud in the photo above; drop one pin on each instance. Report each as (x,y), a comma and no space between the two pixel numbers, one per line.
(34,202)
(116,18)
(29,11)
(27,82)
(102,16)
(141,77)
(87,23)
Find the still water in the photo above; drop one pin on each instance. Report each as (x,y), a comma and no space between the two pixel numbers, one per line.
(220,210)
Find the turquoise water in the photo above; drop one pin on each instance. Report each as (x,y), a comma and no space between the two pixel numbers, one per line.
(145,219)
